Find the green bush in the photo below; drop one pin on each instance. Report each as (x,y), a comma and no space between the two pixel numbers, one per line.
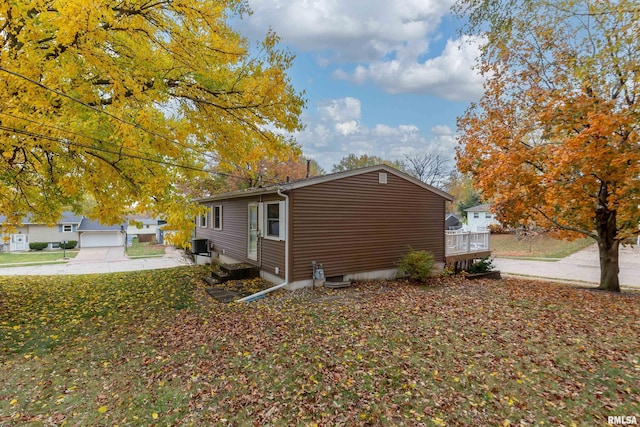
(482,266)
(416,264)
(38,246)
(69,245)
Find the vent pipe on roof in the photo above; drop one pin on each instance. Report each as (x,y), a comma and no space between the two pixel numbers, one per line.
(308,168)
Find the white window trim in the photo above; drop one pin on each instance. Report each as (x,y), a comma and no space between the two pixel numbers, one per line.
(281,219)
(476,215)
(70,230)
(213,217)
(203,221)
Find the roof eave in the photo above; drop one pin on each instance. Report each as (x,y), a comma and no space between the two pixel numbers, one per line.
(238,195)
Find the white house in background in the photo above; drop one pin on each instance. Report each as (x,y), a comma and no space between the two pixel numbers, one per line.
(145,229)
(479,218)
(30,232)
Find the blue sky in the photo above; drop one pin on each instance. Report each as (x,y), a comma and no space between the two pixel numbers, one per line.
(382,77)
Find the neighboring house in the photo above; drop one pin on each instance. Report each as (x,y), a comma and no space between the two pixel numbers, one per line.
(357,224)
(145,229)
(86,232)
(479,218)
(453,222)
(92,234)
(66,229)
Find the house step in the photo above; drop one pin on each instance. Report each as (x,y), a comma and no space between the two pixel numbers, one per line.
(210,281)
(220,276)
(337,284)
(240,271)
(223,295)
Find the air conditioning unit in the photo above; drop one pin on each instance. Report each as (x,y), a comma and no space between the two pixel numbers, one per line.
(200,247)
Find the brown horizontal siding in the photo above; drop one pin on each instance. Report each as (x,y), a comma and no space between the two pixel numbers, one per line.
(232,239)
(272,252)
(354,225)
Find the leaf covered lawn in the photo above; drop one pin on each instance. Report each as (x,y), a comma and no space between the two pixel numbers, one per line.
(149,348)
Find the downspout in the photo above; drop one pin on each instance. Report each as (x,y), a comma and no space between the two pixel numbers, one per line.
(260,294)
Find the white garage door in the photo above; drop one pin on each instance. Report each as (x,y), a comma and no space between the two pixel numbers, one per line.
(95,240)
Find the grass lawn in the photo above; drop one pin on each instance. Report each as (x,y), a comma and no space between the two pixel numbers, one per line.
(149,348)
(540,246)
(144,250)
(38,256)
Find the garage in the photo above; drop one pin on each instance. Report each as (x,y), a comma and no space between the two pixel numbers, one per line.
(100,239)
(96,235)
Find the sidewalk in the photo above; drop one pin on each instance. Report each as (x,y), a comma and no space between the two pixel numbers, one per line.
(172,258)
(583,266)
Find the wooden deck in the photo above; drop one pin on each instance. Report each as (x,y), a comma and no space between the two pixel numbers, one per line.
(463,247)
(450,259)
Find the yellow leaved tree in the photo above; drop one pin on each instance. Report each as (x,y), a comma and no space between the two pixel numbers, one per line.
(554,139)
(124,101)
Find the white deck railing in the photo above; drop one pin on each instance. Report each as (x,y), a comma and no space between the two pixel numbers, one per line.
(466,242)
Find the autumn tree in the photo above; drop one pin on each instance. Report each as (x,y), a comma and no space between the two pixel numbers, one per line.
(431,169)
(354,161)
(554,139)
(271,171)
(126,100)
(460,186)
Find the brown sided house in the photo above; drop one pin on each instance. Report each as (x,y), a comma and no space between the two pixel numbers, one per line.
(357,224)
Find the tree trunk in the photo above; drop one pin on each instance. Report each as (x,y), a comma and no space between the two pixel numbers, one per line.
(607,228)
(609,267)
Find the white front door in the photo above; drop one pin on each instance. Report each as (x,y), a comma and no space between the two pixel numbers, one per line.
(252,239)
(19,242)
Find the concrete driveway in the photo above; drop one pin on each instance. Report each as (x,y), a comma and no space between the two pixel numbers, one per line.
(583,266)
(100,254)
(101,260)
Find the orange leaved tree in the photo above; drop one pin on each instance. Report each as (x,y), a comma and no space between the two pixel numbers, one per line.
(554,139)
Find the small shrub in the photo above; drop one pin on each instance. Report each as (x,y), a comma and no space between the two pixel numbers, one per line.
(416,264)
(448,271)
(38,246)
(482,266)
(69,245)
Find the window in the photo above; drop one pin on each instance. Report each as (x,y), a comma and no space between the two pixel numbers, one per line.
(217,217)
(487,215)
(476,214)
(67,228)
(273,220)
(203,221)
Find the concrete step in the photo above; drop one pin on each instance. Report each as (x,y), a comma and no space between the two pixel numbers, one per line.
(337,284)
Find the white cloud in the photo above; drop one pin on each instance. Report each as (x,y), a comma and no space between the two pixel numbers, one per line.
(359,30)
(384,42)
(340,110)
(450,75)
(329,137)
(347,128)
(442,130)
